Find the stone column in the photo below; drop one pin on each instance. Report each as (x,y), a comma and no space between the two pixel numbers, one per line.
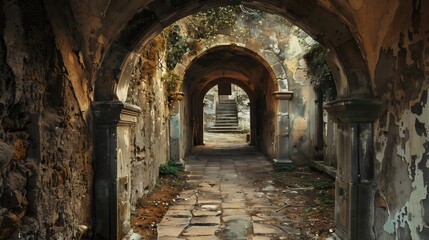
(176,137)
(354,185)
(112,148)
(282,151)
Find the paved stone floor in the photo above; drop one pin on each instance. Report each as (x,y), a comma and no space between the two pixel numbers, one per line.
(223,201)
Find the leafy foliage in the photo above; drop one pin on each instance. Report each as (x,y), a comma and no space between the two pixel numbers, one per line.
(176,47)
(318,67)
(171,80)
(169,169)
(213,21)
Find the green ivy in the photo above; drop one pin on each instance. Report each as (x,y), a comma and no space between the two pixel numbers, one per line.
(318,68)
(213,21)
(171,80)
(176,47)
(169,169)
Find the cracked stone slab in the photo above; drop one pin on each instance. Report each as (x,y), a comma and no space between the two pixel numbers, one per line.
(203,238)
(259,228)
(201,213)
(178,213)
(200,231)
(209,220)
(232,212)
(170,231)
(210,207)
(186,207)
(236,217)
(235,205)
(172,221)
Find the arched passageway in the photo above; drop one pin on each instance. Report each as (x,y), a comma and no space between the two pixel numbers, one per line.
(65,132)
(351,76)
(234,65)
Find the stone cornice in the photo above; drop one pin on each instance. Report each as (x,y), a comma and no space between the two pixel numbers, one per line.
(280,95)
(178,96)
(115,113)
(353,110)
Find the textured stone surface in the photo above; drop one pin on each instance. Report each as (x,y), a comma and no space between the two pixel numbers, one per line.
(55,56)
(226,219)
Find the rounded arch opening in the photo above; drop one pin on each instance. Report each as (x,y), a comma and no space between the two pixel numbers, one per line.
(232,65)
(226,114)
(325,27)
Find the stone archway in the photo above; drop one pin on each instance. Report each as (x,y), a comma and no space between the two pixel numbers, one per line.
(353,87)
(242,67)
(199,101)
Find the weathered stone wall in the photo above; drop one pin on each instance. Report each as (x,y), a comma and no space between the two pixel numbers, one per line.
(47,81)
(150,134)
(45,142)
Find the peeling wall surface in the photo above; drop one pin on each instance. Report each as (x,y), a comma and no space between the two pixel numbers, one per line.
(150,133)
(401,80)
(58,57)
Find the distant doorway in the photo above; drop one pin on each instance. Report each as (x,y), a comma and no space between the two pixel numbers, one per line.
(226,115)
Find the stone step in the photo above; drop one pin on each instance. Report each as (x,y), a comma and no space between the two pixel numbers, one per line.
(226,124)
(227,121)
(226,118)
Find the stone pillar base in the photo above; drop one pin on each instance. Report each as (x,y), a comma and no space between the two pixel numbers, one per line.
(283,164)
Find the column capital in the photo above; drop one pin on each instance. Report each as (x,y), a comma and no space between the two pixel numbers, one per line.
(178,96)
(115,113)
(353,110)
(283,95)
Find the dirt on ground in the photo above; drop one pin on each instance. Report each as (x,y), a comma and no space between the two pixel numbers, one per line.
(306,198)
(151,209)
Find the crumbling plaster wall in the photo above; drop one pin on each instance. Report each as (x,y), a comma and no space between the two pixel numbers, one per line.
(150,135)
(45,140)
(396,47)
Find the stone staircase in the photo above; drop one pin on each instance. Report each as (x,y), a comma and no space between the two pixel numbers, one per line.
(226,117)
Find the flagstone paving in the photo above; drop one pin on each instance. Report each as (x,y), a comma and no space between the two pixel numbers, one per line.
(223,201)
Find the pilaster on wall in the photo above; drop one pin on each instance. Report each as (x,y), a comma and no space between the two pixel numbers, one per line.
(176,122)
(112,167)
(282,151)
(354,188)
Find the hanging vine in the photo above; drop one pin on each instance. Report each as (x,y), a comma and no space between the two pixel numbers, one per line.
(318,68)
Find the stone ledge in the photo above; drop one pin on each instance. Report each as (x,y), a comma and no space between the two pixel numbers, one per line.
(115,112)
(331,171)
(354,110)
(280,164)
(286,95)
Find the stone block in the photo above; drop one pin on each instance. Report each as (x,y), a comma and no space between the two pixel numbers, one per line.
(7,153)
(170,231)
(208,220)
(173,221)
(235,205)
(259,228)
(201,213)
(178,213)
(200,231)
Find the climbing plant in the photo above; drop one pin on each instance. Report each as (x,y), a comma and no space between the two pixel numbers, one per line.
(318,68)
(171,80)
(211,22)
(176,46)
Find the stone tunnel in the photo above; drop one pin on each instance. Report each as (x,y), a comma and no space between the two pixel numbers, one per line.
(87,114)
